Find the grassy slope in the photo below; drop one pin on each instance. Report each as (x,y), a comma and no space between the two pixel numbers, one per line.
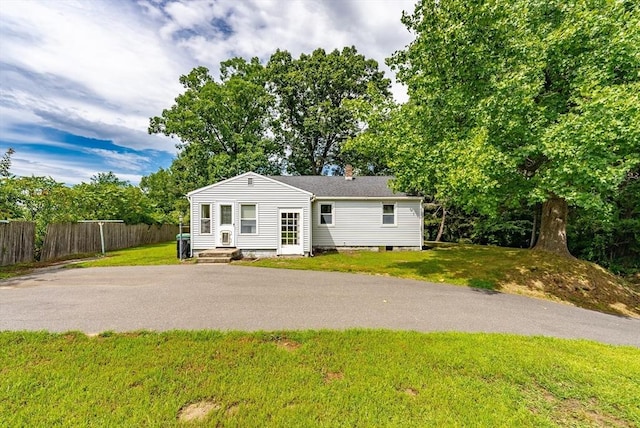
(352,378)
(510,270)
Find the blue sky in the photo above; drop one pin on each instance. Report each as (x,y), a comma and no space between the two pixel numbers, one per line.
(80,79)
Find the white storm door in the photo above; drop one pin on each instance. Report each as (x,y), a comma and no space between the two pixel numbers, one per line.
(291,232)
(225,222)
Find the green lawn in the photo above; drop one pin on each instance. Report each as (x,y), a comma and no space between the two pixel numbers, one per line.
(307,378)
(146,255)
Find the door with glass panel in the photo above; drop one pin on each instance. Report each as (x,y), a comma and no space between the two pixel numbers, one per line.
(291,231)
(225,222)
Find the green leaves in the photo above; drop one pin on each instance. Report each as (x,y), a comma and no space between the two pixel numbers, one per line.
(222,125)
(519,100)
(313,117)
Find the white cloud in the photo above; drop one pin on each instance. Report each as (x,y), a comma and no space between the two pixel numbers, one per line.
(65,170)
(100,69)
(122,161)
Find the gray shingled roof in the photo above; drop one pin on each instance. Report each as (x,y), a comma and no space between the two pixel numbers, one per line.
(337,186)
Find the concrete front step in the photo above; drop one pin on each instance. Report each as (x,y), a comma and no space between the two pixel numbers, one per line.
(219,255)
(214,259)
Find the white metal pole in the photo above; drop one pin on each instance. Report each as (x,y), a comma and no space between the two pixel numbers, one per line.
(180,238)
(101,236)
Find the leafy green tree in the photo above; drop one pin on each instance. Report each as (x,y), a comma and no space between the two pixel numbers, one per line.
(9,194)
(221,125)
(166,192)
(106,197)
(41,200)
(519,103)
(313,118)
(108,178)
(5,163)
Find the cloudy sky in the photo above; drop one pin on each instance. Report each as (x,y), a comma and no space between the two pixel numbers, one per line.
(80,79)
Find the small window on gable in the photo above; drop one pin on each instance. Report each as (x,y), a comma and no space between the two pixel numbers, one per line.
(205,218)
(326,214)
(388,214)
(248,219)
(249,181)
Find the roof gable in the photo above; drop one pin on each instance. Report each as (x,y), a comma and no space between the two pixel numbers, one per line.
(247,174)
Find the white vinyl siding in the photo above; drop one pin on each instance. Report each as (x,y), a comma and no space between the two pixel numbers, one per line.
(267,195)
(358,223)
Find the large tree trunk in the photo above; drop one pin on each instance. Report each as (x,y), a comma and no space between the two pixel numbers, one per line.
(441,229)
(532,241)
(553,227)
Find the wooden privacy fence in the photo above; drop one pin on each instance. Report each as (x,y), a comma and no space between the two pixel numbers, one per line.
(17,240)
(63,239)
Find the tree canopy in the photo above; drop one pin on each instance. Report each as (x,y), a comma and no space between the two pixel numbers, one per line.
(517,103)
(221,125)
(312,114)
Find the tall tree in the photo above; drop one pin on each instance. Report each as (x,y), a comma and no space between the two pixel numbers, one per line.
(167,193)
(520,101)
(107,197)
(312,93)
(221,124)
(5,163)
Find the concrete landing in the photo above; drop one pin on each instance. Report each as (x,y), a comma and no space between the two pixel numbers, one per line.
(219,255)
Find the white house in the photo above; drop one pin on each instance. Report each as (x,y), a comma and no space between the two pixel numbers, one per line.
(287,215)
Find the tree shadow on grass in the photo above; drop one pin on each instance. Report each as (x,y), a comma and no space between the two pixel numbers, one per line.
(443,271)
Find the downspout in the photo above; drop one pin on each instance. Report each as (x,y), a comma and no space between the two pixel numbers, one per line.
(190,227)
(421,224)
(312,200)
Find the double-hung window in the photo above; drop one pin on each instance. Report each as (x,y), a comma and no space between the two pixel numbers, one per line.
(248,219)
(205,218)
(388,214)
(326,214)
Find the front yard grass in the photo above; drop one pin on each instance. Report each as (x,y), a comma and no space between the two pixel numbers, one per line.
(146,255)
(511,270)
(315,378)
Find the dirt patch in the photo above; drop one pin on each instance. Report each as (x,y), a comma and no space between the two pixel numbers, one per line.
(573,412)
(232,410)
(288,345)
(197,411)
(333,376)
(570,411)
(410,392)
(573,281)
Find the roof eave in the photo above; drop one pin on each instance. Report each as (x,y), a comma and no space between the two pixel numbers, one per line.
(412,198)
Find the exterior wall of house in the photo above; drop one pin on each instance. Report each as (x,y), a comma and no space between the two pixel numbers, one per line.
(359,223)
(268,195)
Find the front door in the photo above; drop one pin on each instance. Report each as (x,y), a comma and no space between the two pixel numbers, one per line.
(291,231)
(224,235)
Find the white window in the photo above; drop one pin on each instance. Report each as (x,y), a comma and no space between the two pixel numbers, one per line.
(248,219)
(226,215)
(388,214)
(205,218)
(326,214)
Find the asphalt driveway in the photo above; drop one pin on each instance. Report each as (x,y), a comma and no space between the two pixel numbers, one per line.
(228,297)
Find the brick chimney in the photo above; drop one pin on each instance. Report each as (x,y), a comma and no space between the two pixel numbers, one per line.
(348,172)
